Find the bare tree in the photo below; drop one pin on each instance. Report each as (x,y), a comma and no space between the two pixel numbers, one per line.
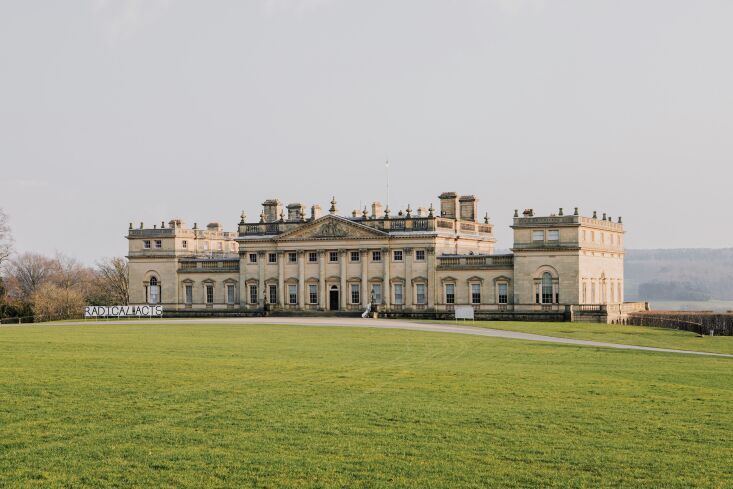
(6,238)
(51,302)
(112,274)
(27,272)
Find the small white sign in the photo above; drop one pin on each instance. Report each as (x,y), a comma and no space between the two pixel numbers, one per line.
(122,311)
(464,312)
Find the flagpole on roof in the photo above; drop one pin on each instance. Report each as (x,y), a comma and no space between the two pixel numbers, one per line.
(386,165)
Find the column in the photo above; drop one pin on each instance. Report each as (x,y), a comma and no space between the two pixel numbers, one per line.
(364,258)
(430,252)
(342,273)
(408,278)
(281,278)
(387,286)
(301,279)
(322,279)
(261,256)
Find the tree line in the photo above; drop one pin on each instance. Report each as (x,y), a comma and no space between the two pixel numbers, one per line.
(37,287)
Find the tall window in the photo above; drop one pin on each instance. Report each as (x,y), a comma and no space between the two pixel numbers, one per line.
(355,299)
(312,294)
(312,257)
(253,257)
(333,256)
(292,257)
(146,244)
(184,244)
(154,291)
(209,294)
(292,294)
(230,294)
(189,294)
(419,255)
(272,291)
(546,288)
(450,293)
(355,256)
(593,293)
(397,255)
(376,296)
(272,258)
(420,294)
(376,256)
(253,296)
(538,235)
(503,294)
(620,293)
(158,244)
(585,293)
(475,293)
(399,294)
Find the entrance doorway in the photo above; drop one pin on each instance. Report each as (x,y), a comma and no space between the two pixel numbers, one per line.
(333,298)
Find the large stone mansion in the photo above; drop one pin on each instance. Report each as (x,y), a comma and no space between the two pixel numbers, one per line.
(418,263)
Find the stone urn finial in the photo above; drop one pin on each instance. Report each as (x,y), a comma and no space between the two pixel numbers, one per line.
(332,210)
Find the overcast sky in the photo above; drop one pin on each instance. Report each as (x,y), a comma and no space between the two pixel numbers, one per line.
(114,111)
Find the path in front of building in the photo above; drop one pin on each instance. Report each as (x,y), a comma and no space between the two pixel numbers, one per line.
(399,324)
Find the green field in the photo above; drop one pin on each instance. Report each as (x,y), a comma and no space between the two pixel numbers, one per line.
(613,333)
(171,405)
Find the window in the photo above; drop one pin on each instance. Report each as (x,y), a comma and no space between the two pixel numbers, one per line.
(272,258)
(230,294)
(188,294)
(158,244)
(233,246)
(292,257)
(593,236)
(355,299)
(205,244)
(209,294)
(546,288)
(333,256)
(419,255)
(397,255)
(312,294)
(399,296)
(253,257)
(272,290)
(292,294)
(146,244)
(154,291)
(450,293)
(593,293)
(420,294)
(475,293)
(376,256)
(355,256)
(376,296)
(184,244)
(620,296)
(585,293)
(220,246)
(538,235)
(584,235)
(312,257)
(503,294)
(553,235)
(253,295)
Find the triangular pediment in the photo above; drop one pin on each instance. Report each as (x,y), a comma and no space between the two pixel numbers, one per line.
(331,227)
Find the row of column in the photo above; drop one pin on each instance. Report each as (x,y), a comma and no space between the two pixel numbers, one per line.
(344,294)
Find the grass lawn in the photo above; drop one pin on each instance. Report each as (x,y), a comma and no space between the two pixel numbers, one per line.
(614,333)
(179,405)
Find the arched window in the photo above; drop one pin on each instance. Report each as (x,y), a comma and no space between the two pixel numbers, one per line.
(546,288)
(154,291)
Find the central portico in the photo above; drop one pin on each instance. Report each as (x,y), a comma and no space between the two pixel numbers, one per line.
(333,263)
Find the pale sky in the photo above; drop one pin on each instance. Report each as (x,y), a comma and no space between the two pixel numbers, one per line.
(114,111)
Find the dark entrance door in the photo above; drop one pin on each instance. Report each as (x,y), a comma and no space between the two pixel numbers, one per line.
(333,299)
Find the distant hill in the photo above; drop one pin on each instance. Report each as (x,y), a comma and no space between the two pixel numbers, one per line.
(690,274)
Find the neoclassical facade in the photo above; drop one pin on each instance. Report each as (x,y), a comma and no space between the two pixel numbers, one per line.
(419,263)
